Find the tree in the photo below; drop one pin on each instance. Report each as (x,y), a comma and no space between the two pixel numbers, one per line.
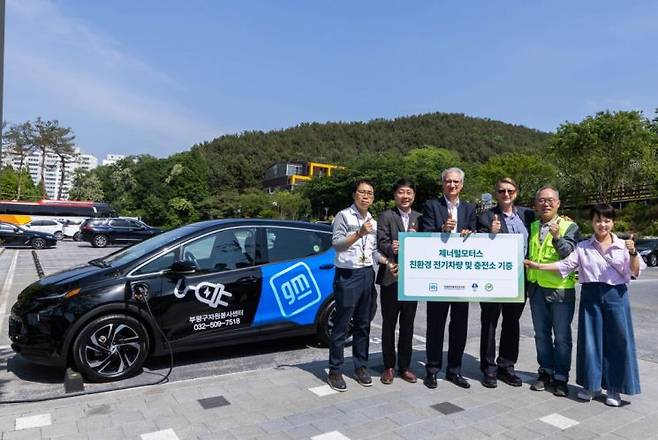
(43,140)
(529,171)
(86,186)
(604,153)
(62,145)
(19,139)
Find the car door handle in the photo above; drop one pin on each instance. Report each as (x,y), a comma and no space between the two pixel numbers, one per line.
(326,266)
(249,279)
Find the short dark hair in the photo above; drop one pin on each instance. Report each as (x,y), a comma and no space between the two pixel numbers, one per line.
(358,182)
(602,210)
(402,182)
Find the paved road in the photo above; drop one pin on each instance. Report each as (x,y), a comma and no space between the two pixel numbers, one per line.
(276,390)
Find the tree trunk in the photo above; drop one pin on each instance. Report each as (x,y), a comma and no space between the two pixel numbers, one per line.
(18,178)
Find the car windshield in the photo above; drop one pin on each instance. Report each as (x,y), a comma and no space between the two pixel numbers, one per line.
(138,250)
(645,244)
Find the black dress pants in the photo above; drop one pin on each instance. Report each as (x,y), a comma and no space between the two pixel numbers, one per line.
(391,310)
(508,352)
(353,293)
(437,313)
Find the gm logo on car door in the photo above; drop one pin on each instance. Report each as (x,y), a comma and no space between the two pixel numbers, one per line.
(295,289)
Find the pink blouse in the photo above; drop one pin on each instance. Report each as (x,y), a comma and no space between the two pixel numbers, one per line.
(596,268)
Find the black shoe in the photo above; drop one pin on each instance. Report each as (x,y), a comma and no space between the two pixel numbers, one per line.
(458,380)
(336,382)
(363,377)
(430,380)
(490,381)
(560,388)
(543,381)
(509,378)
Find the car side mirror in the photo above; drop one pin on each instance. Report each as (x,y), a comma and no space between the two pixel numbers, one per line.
(18,231)
(182,267)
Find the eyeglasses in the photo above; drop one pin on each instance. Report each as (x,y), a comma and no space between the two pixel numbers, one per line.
(506,191)
(363,192)
(550,202)
(454,182)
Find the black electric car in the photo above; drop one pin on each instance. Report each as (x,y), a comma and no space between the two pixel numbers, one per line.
(12,235)
(211,283)
(648,249)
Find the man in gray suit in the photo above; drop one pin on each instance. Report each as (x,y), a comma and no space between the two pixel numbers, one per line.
(393,221)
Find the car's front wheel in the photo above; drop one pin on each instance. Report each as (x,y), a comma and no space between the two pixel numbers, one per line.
(326,325)
(653,260)
(38,243)
(111,347)
(100,241)
(77,236)
(58,235)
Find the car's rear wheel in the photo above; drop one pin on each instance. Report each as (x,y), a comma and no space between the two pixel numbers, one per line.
(99,241)
(77,236)
(653,260)
(58,235)
(326,325)
(38,243)
(111,347)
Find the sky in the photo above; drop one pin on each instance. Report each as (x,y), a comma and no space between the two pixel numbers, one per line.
(158,76)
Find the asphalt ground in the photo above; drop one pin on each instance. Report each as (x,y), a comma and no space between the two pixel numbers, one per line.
(21,380)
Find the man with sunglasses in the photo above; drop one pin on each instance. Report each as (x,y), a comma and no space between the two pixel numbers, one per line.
(504,218)
(447,214)
(552,298)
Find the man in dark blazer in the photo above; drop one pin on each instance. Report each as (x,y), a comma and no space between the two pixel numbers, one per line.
(391,222)
(447,214)
(505,218)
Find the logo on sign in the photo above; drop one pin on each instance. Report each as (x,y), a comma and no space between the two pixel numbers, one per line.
(488,287)
(434,287)
(295,289)
(474,286)
(209,293)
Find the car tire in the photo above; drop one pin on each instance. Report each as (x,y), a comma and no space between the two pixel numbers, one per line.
(99,241)
(653,260)
(58,235)
(77,236)
(110,348)
(38,243)
(326,324)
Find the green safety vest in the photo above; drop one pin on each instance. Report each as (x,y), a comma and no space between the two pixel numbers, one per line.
(544,252)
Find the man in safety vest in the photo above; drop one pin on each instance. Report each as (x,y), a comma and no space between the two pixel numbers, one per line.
(551,297)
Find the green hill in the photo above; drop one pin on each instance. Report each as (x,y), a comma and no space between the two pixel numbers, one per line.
(238,161)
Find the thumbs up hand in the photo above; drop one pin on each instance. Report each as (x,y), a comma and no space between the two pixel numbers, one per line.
(495,225)
(450,223)
(630,244)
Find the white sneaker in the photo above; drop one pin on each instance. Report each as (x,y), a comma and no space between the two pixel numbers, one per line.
(587,395)
(613,399)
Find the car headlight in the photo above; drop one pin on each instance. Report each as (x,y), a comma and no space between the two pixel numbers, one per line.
(645,252)
(68,294)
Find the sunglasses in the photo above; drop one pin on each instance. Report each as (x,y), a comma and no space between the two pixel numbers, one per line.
(506,191)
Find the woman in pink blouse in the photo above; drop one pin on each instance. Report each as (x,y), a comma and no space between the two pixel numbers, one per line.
(605,356)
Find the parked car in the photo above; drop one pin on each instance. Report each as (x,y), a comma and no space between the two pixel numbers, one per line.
(49,226)
(648,249)
(212,283)
(101,232)
(12,235)
(71,229)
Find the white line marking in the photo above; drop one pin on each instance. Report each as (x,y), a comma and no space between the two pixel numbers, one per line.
(559,421)
(333,435)
(4,294)
(324,390)
(418,337)
(166,434)
(33,421)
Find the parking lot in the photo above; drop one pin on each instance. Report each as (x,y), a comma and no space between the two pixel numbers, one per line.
(293,358)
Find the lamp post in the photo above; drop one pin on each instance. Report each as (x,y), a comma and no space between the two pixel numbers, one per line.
(2,68)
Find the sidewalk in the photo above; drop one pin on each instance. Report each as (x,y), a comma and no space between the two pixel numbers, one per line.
(294,402)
